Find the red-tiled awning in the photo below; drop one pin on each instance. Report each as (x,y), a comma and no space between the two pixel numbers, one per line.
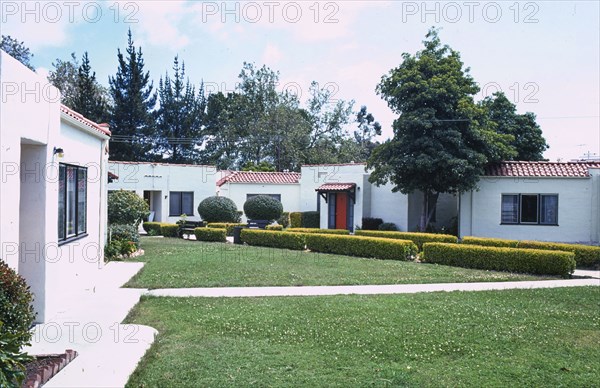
(541,169)
(331,187)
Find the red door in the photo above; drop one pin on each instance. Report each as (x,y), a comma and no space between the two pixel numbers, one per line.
(341,207)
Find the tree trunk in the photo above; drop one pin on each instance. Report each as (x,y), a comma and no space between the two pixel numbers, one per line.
(429,205)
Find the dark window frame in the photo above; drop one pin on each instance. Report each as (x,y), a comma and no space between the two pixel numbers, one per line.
(63,175)
(539,217)
(180,194)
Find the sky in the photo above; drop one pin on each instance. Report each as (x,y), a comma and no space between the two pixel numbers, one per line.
(544,55)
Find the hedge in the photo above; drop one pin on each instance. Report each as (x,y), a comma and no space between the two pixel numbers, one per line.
(316,230)
(210,234)
(532,261)
(274,227)
(585,255)
(274,239)
(311,219)
(228,226)
(417,238)
(169,230)
(490,242)
(295,220)
(376,247)
(369,223)
(150,227)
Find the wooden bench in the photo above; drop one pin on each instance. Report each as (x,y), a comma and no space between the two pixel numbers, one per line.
(188,227)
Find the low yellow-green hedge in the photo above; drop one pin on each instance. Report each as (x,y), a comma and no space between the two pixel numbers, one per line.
(152,228)
(274,239)
(376,247)
(211,234)
(274,227)
(585,255)
(417,238)
(490,242)
(532,261)
(224,225)
(317,230)
(161,229)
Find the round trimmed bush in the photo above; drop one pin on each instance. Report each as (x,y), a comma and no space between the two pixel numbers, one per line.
(389,226)
(218,209)
(126,208)
(16,311)
(263,207)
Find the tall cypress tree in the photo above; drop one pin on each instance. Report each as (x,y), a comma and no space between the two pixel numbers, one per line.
(131,118)
(88,99)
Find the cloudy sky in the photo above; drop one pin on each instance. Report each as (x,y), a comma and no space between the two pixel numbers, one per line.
(543,55)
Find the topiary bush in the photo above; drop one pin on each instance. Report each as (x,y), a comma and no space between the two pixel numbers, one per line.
(295,220)
(417,238)
(263,207)
(210,234)
(16,316)
(126,208)
(311,219)
(369,223)
(389,226)
(218,209)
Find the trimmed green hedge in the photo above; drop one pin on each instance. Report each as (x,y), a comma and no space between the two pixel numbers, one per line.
(311,219)
(169,230)
(585,255)
(532,261)
(210,234)
(376,247)
(274,227)
(274,239)
(316,230)
(224,225)
(152,228)
(417,238)
(490,242)
(295,220)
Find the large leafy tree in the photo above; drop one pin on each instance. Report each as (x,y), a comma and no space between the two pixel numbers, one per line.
(442,140)
(134,100)
(527,134)
(180,116)
(17,50)
(64,76)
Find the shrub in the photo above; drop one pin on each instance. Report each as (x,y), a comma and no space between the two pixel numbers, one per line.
(284,220)
(112,250)
(369,223)
(210,234)
(490,242)
(390,226)
(218,209)
(532,261)
(12,360)
(417,238)
(585,255)
(311,220)
(152,228)
(238,216)
(169,230)
(273,239)
(126,208)
(274,227)
(263,207)
(379,248)
(295,220)
(320,231)
(227,226)
(125,233)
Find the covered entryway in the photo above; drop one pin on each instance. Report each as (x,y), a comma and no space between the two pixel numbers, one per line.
(340,199)
(154,201)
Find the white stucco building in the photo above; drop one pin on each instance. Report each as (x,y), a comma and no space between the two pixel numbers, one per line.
(241,185)
(169,189)
(543,201)
(52,190)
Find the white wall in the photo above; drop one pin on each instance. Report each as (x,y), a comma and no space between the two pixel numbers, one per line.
(389,206)
(164,178)
(578,206)
(290,194)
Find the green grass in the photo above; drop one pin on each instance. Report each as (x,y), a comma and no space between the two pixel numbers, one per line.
(177,263)
(541,337)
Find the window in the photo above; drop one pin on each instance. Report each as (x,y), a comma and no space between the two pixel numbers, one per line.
(533,209)
(274,196)
(181,202)
(72,201)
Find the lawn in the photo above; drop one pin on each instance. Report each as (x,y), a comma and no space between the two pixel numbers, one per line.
(542,337)
(177,263)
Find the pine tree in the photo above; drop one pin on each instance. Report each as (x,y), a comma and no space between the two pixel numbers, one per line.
(131,119)
(89,99)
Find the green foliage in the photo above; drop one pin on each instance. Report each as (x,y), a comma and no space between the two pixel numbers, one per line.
(585,255)
(17,50)
(295,219)
(126,208)
(218,209)
(263,207)
(169,230)
(311,219)
(224,225)
(89,96)
(284,220)
(12,360)
(263,166)
(318,230)
(389,226)
(369,223)
(489,242)
(125,233)
(417,238)
(273,239)
(378,248)
(211,234)
(532,261)
(123,241)
(152,228)
(274,227)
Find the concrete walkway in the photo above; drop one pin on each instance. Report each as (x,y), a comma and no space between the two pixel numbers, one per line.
(90,323)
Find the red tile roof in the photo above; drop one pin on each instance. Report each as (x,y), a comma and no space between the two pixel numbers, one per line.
(102,128)
(336,186)
(278,178)
(542,169)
